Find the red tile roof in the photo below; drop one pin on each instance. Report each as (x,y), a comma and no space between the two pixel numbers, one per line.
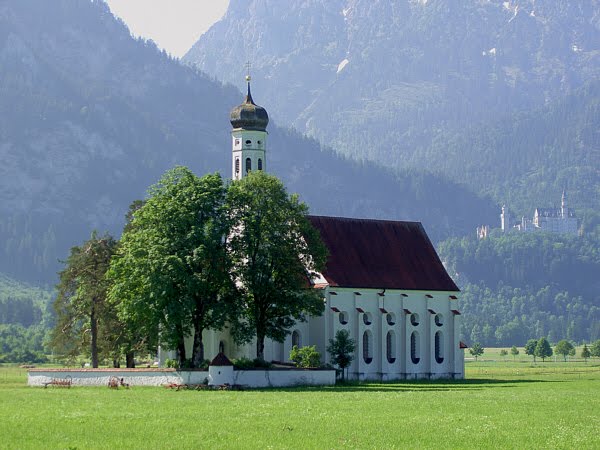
(221,360)
(367,253)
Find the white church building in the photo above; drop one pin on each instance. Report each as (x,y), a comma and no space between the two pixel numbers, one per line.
(383,282)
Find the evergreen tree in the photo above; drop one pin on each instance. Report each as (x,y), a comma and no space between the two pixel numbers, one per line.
(341,349)
(585,352)
(83,316)
(476,350)
(595,349)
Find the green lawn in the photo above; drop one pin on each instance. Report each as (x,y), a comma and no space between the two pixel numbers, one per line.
(501,405)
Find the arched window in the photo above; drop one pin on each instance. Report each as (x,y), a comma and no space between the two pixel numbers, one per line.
(390,347)
(221,347)
(391,319)
(414,347)
(439,347)
(237,165)
(344,318)
(259,164)
(367,347)
(296,338)
(248,164)
(414,320)
(367,318)
(439,320)
(248,142)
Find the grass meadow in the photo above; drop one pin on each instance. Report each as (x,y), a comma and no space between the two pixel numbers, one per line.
(502,404)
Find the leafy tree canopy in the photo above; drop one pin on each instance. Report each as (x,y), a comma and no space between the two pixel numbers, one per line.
(564,348)
(274,251)
(543,349)
(172,272)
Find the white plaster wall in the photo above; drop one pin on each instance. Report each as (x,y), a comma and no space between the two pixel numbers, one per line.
(101,378)
(250,378)
(283,378)
(220,375)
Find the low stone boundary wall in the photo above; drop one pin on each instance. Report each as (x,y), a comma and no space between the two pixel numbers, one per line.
(284,377)
(161,377)
(100,377)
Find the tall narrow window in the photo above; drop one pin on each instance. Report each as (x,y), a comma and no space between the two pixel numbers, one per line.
(390,347)
(414,347)
(344,318)
(248,164)
(237,165)
(259,164)
(296,338)
(414,320)
(439,347)
(367,344)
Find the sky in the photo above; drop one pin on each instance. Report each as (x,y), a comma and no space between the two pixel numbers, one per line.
(174,25)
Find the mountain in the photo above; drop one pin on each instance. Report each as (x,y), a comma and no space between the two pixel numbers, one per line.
(90,117)
(519,286)
(438,85)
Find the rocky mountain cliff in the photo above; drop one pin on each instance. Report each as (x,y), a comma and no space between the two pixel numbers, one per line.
(388,80)
(90,117)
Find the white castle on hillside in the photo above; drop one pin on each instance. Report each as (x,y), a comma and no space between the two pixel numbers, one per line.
(553,220)
(383,283)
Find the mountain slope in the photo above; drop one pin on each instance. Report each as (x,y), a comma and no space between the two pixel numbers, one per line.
(391,81)
(91,117)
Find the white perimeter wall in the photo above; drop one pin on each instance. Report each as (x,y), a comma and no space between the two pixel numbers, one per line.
(249,378)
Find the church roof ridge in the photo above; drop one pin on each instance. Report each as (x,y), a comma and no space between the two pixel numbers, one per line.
(367,219)
(375,253)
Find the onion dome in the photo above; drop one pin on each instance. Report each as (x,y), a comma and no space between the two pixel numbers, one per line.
(249,115)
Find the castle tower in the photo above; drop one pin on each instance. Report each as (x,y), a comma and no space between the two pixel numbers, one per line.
(564,211)
(249,137)
(505,219)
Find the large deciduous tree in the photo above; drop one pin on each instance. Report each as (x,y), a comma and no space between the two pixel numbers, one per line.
(530,347)
(564,348)
(84,319)
(275,251)
(543,349)
(171,274)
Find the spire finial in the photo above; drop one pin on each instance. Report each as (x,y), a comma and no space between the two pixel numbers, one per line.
(248,79)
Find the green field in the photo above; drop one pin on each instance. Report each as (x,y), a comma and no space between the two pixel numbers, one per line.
(501,405)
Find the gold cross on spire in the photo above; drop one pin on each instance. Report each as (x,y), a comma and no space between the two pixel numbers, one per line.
(248,65)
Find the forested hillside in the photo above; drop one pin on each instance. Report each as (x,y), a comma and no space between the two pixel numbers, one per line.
(91,117)
(518,286)
(500,95)
(25,317)
(527,159)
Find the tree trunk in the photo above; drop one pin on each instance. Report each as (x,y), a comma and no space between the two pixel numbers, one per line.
(129,360)
(94,331)
(116,364)
(198,350)
(181,353)
(260,347)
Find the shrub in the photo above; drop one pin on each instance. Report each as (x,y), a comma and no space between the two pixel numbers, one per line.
(171,364)
(305,356)
(245,364)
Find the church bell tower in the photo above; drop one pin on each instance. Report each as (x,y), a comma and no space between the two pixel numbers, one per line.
(249,137)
